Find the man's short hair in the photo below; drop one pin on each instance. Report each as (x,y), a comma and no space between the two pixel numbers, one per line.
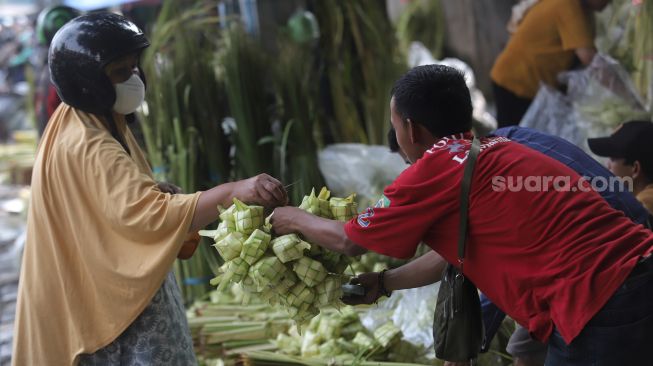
(435,96)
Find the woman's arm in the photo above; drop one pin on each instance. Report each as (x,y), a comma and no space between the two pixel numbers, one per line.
(260,190)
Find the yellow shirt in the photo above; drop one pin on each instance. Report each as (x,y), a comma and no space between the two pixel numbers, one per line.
(101,238)
(646,198)
(543,46)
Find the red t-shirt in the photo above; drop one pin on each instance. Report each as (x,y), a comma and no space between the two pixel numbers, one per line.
(544,257)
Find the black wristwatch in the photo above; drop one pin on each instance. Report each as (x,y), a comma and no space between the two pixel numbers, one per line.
(382,288)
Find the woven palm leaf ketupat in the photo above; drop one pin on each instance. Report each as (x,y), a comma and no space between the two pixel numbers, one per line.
(289,247)
(230,246)
(255,246)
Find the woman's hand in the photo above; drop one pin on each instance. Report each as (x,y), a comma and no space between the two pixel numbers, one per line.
(166,187)
(261,190)
(370,281)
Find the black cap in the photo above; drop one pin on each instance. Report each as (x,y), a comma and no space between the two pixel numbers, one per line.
(632,141)
(79,52)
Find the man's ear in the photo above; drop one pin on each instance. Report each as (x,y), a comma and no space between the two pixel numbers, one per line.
(412,131)
(636,169)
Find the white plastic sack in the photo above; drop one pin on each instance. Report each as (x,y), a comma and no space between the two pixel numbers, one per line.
(598,99)
(363,169)
(553,113)
(410,310)
(603,95)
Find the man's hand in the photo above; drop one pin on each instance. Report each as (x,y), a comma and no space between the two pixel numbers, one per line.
(283,218)
(166,187)
(370,281)
(261,190)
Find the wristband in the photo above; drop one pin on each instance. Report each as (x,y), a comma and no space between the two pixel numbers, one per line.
(382,288)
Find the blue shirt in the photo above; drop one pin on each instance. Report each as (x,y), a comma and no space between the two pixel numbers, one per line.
(576,159)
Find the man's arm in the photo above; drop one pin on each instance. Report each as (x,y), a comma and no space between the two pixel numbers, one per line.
(326,233)
(422,271)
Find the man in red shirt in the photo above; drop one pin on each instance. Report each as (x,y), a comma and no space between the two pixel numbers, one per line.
(542,244)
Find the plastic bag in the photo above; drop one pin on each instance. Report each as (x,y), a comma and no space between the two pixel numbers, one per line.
(362,169)
(603,95)
(553,113)
(598,99)
(412,311)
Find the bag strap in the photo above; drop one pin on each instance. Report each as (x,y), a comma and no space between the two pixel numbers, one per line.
(464,198)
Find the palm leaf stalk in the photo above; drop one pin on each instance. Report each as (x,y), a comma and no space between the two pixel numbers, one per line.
(243,67)
(182,122)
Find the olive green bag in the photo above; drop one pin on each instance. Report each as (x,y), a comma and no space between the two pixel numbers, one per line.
(458,324)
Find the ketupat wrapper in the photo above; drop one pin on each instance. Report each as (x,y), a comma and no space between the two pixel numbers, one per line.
(318,205)
(249,287)
(310,271)
(230,246)
(328,327)
(363,341)
(255,246)
(343,209)
(289,247)
(208,233)
(330,348)
(328,292)
(224,228)
(234,270)
(334,262)
(268,271)
(227,214)
(387,334)
(305,313)
(299,296)
(288,280)
(247,218)
(278,293)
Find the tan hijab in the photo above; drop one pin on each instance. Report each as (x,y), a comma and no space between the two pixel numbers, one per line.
(101,238)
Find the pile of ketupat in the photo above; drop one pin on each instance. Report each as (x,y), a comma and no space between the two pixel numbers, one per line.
(284,270)
(341,337)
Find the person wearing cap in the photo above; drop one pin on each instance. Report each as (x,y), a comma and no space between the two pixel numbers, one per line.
(630,153)
(559,261)
(46,100)
(96,286)
(548,37)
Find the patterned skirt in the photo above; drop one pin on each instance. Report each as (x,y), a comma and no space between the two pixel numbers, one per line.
(159,336)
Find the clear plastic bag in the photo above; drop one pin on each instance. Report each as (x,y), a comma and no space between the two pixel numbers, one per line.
(598,99)
(362,169)
(552,112)
(603,95)
(412,311)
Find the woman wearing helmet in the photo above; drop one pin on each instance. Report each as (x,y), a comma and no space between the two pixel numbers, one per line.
(95,285)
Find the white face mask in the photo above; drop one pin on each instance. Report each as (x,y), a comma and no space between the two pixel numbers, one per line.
(129,95)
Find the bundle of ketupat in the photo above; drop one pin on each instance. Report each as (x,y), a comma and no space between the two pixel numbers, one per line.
(318,205)
(284,270)
(341,336)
